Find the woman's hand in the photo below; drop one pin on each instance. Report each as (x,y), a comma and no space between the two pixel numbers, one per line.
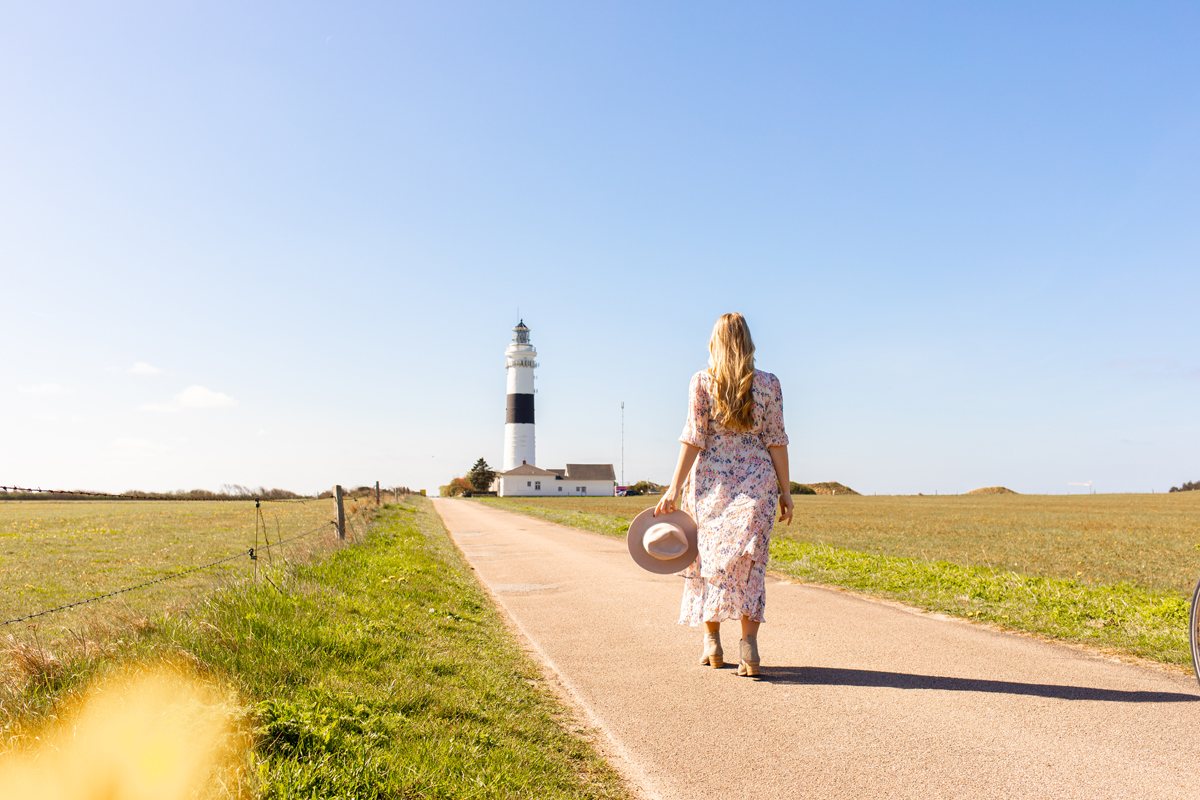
(687,457)
(786,507)
(779,459)
(666,503)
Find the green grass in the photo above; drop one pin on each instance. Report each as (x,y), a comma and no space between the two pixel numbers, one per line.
(380,672)
(53,552)
(1114,571)
(608,524)
(1120,617)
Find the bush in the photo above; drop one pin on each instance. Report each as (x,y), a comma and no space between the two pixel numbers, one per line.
(1190,486)
(646,487)
(801,488)
(455,488)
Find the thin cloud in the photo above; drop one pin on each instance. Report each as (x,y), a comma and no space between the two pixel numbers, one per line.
(200,397)
(1154,368)
(1143,363)
(192,397)
(44,389)
(139,368)
(137,450)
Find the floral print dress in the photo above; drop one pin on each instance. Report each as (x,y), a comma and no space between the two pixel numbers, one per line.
(732,493)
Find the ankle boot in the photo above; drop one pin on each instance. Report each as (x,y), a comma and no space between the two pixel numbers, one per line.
(749,656)
(713,654)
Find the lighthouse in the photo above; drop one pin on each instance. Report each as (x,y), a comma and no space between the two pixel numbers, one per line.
(518,424)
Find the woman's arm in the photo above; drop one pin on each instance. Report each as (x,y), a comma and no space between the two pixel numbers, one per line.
(779,457)
(687,457)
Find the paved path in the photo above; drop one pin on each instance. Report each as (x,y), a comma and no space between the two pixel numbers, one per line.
(860,699)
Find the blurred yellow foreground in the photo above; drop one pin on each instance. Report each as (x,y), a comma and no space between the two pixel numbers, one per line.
(145,734)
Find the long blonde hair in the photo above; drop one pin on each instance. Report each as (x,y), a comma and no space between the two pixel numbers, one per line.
(731,364)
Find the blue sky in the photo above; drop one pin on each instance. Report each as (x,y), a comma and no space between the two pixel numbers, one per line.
(967,239)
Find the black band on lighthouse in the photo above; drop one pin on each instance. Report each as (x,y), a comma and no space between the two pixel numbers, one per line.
(520,408)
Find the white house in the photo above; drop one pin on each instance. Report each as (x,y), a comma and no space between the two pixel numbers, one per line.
(577,480)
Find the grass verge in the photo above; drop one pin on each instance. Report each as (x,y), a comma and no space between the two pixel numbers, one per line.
(380,672)
(1121,617)
(607,524)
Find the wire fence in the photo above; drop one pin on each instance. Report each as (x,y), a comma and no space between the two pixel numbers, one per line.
(66,606)
(264,495)
(253,554)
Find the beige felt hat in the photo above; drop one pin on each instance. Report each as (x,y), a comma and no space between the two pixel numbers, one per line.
(663,544)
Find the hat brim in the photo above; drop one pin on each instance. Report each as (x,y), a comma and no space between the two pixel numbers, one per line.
(637,532)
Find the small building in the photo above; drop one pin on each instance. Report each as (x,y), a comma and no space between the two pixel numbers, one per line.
(577,480)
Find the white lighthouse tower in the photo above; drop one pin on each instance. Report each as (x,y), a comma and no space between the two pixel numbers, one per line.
(518,424)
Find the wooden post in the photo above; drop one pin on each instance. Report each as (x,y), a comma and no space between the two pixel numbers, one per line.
(341,522)
(376,492)
(397,494)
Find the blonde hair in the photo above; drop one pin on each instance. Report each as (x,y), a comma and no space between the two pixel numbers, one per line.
(731,365)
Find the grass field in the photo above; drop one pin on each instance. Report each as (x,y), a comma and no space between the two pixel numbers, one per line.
(53,553)
(1114,571)
(382,671)
(1147,540)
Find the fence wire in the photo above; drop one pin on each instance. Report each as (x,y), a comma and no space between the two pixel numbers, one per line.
(152,495)
(252,553)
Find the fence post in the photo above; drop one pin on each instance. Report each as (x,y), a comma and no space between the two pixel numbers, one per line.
(341,522)
(376,492)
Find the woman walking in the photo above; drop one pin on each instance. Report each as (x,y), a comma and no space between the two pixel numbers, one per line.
(732,470)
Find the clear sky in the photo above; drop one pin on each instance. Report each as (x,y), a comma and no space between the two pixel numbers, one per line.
(284,244)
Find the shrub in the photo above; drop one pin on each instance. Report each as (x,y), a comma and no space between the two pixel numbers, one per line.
(801,488)
(455,488)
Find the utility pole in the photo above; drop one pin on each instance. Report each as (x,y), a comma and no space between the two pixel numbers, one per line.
(622,442)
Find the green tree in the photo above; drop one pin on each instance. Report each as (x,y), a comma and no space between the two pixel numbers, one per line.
(801,488)
(481,476)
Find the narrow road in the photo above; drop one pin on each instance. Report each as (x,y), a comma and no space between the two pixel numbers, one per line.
(859,699)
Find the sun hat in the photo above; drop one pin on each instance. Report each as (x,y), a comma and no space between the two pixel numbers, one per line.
(663,544)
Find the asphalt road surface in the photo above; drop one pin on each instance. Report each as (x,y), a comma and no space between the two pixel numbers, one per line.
(858,699)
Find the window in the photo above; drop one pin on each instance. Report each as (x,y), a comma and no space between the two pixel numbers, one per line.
(581,489)
(560,488)
(527,483)
(537,485)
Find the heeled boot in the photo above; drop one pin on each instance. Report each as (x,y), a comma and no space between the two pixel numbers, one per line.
(749,656)
(713,655)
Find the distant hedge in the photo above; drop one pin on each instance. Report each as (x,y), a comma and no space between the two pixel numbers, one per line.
(1190,486)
